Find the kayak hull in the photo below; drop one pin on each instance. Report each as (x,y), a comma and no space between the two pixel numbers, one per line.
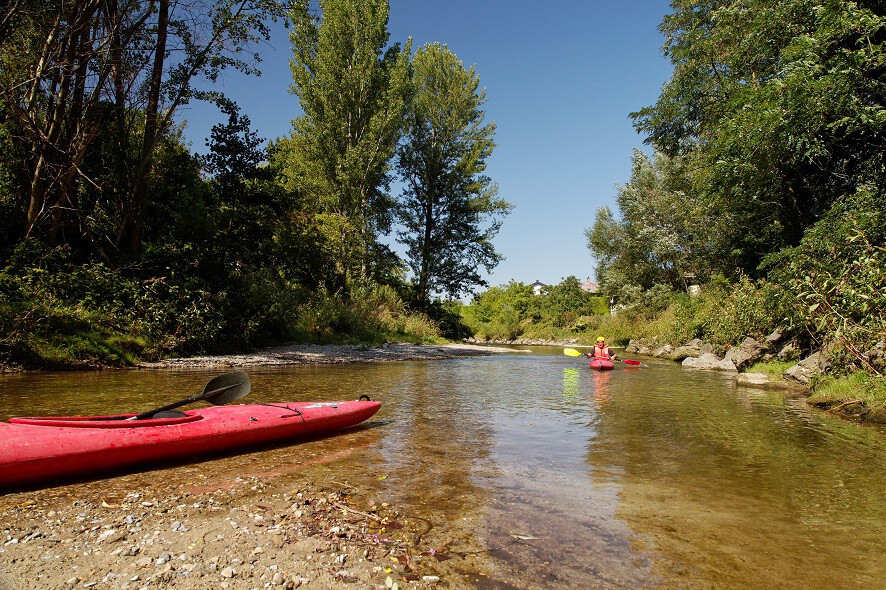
(55,448)
(602,365)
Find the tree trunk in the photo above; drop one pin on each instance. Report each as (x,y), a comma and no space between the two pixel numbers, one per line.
(135,218)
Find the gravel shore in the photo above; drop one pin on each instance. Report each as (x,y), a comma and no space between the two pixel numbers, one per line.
(299,354)
(248,535)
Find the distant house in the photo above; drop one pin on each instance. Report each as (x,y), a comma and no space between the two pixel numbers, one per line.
(537,286)
(589,286)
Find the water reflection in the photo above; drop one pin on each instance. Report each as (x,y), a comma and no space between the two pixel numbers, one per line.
(557,476)
(571,384)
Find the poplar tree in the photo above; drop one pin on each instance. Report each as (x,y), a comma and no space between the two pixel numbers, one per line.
(352,89)
(450,210)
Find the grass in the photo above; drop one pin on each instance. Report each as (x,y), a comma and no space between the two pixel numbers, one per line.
(774,369)
(860,394)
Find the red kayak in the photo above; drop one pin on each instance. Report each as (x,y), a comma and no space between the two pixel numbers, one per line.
(52,448)
(602,365)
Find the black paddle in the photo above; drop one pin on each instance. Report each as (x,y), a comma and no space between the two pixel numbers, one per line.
(219,391)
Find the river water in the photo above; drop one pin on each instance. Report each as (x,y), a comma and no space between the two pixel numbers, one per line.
(554,476)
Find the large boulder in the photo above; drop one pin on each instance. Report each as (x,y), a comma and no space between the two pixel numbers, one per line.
(803,371)
(747,353)
(790,351)
(664,352)
(726,365)
(877,355)
(704,361)
(774,339)
(690,349)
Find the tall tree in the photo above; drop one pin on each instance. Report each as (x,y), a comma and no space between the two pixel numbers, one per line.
(352,88)
(782,105)
(662,231)
(450,210)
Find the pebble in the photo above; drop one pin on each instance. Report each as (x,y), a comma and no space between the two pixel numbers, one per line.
(277,579)
(164,557)
(228,572)
(430,579)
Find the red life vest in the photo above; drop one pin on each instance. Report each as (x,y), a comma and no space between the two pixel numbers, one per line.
(601,353)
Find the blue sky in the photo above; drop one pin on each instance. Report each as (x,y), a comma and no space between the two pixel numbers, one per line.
(560,77)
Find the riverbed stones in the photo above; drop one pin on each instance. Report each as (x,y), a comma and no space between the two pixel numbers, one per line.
(803,371)
(691,349)
(747,353)
(707,360)
(664,352)
(753,380)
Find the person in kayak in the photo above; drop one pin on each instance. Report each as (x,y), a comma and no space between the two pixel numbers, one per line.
(601,351)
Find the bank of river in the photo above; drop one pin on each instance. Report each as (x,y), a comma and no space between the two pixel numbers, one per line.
(300,354)
(501,471)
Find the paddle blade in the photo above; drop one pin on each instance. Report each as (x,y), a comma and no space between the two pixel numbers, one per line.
(225,389)
(634,363)
(572,352)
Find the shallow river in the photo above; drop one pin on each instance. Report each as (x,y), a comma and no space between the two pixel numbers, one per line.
(558,477)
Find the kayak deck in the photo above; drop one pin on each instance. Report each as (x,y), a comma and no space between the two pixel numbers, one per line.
(602,365)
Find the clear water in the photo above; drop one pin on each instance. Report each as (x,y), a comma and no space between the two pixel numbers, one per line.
(539,473)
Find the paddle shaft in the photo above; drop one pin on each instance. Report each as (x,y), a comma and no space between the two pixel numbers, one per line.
(184,402)
(573,352)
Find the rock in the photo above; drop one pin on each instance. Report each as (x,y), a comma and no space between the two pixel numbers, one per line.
(228,572)
(773,339)
(705,361)
(789,352)
(877,355)
(144,562)
(726,365)
(277,580)
(345,576)
(164,557)
(664,352)
(631,348)
(430,579)
(752,379)
(747,353)
(803,371)
(692,349)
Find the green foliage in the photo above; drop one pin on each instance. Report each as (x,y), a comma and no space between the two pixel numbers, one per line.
(663,231)
(138,249)
(837,276)
(779,107)
(511,311)
(447,199)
